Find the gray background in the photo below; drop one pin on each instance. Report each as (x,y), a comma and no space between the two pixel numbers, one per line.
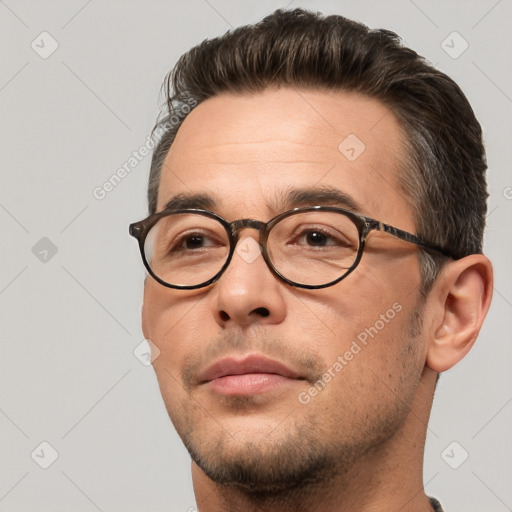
(70,321)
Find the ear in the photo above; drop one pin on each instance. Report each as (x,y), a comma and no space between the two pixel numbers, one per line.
(461,297)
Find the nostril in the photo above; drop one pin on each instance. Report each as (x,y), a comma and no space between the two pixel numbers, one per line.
(224,316)
(262,311)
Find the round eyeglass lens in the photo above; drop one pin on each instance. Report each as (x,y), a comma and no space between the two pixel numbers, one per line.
(186,249)
(313,248)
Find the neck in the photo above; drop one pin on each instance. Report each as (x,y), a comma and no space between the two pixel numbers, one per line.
(387,479)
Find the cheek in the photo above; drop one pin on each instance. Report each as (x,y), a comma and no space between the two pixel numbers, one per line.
(166,316)
(378,364)
(164,312)
(179,323)
(367,318)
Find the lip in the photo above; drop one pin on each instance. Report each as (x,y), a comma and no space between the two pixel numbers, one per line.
(249,375)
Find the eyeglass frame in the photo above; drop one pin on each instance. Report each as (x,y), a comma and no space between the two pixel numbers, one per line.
(139,230)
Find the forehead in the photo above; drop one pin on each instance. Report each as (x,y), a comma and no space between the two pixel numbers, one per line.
(248,151)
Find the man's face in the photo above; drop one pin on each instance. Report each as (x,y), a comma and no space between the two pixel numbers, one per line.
(269,425)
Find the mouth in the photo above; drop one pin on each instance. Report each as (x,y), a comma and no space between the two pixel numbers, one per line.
(250,375)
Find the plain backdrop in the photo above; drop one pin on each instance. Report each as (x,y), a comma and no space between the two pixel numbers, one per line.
(79,85)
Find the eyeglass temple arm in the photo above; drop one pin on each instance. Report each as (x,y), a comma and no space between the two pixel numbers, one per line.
(404,235)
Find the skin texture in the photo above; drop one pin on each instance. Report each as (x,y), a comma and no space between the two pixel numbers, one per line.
(358,443)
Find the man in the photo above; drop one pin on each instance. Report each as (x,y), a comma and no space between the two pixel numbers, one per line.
(317,204)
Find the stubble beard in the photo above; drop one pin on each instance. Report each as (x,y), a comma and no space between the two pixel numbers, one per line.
(288,466)
(299,456)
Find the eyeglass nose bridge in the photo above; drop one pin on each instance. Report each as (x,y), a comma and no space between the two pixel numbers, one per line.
(262,227)
(240,224)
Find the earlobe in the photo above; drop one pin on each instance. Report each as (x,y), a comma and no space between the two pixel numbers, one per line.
(462,294)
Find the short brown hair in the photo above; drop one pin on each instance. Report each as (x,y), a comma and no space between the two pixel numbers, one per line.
(443,170)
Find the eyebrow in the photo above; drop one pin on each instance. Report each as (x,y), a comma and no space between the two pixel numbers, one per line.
(188,201)
(283,200)
(322,196)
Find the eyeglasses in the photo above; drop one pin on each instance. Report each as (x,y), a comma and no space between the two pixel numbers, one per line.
(308,247)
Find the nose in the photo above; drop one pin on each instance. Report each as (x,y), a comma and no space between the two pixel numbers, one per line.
(248,293)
